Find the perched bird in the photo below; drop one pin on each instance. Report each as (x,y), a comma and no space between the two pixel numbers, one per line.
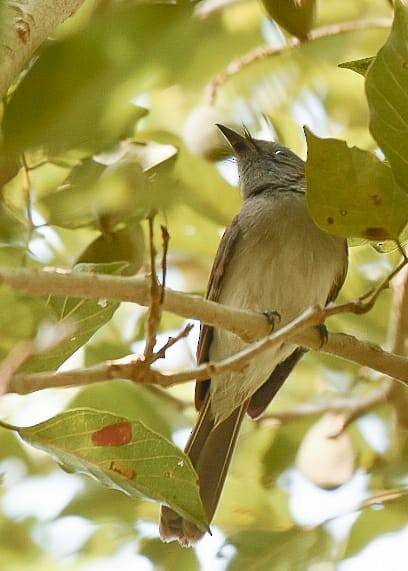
(272,258)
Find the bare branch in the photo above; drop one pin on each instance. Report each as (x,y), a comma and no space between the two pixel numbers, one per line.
(166,241)
(353,407)
(136,368)
(161,353)
(265,51)
(248,325)
(155,297)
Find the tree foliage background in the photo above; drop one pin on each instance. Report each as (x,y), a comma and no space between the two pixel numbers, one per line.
(112,119)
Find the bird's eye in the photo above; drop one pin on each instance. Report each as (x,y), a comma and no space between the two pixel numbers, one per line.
(278,152)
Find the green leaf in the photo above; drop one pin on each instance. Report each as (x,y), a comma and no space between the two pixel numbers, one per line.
(124,245)
(360,66)
(24,313)
(87,315)
(281,551)
(131,400)
(168,557)
(376,521)
(281,453)
(387,95)
(92,192)
(122,454)
(73,95)
(352,193)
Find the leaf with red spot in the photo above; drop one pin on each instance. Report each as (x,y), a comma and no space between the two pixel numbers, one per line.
(113,435)
(122,454)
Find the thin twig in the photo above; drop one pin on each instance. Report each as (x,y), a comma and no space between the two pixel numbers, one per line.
(161,353)
(166,241)
(14,360)
(48,337)
(265,51)
(366,302)
(352,407)
(154,314)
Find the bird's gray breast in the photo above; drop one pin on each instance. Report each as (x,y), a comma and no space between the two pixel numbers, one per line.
(282,262)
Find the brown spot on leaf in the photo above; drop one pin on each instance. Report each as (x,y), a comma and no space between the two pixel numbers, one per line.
(376,199)
(376,234)
(122,469)
(330,220)
(113,435)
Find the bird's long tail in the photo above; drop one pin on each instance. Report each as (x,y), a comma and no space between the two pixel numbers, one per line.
(210,448)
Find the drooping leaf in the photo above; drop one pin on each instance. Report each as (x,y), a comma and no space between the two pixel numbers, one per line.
(387,95)
(131,181)
(296,16)
(124,245)
(352,193)
(93,191)
(122,454)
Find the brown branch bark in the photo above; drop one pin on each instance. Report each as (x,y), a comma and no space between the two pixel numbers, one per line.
(249,325)
(265,51)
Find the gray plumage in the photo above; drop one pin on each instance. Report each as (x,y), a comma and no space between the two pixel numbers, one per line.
(271,257)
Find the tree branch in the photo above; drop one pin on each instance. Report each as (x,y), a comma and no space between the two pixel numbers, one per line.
(26,25)
(249,325)
(353,407)
(265,51)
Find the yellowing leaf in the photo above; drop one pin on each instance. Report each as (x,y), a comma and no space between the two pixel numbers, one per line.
(351,193)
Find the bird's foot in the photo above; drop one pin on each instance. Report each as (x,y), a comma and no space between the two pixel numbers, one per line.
(273,317)
(323,333)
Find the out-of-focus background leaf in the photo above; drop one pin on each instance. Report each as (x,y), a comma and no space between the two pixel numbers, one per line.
(114,118)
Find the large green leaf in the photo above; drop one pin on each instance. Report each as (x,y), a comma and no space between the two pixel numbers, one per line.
(131,400)
(352,193)
(73,95)
(387,95)
(122,454)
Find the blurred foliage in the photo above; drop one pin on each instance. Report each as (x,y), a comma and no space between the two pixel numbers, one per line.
(113,119)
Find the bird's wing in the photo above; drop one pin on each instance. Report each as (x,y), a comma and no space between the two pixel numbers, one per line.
(222,258)
(338,283)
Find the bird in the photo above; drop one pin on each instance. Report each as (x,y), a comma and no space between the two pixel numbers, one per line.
(272,258)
